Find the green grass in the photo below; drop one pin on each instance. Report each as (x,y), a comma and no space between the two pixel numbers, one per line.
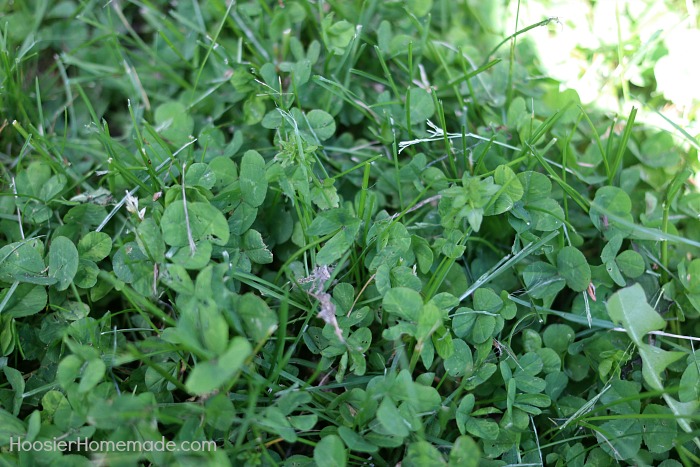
(348,233)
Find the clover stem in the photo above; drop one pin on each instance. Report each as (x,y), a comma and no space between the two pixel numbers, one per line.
(193,247)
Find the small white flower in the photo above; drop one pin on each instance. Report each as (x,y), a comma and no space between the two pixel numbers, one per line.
(132,205)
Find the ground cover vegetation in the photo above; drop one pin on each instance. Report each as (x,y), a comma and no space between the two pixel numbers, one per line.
(345,233)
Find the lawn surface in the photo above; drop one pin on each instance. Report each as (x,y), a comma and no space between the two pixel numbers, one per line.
(349,233)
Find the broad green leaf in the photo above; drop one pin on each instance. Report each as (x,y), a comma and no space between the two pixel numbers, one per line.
(199,174)
(336,247)
(122,410)
(330,452)
(344,295)
(510,191)
(205,222)
(556,384)
(220,412)
(530,365)
(150,239)
(461,361)
(174,123)
(574,268)
(321,124)
(463,322)
(535,185)
(68,370)
(255,248)
(258,320)
(201,328)
(464,410)
(529,404)
(423,454)
(550,359)
(338,35)
(130,264)
(442,341)
(575,455)
(659,433)
(429,319)
(72,310)
(482,428)
(31,180)
(92,374)
(95,246)
(486,300)
(424,254)
(613,200)
(242,218)
(422,398)
(688,273)
(10,427)
(253,110)
(658,150)
(517,111)
(621,438)
(631,263)
(690,383)
(615,274)
(210,375)
(621,397)
(183,255)
(403,302)
(509,309)
(272,120)
(63,262)
(52,187)
(384,35)
(14,377)
(224,170)
(329,221)
(419,7)
(33,425)
(532,340)
(465,453)
(21,261)
(301,72)
(558,337)
(276,422)
(390,418)
(303,422)
(86,214)
(483,328)
(177,278)
(393,244)
(252,178)
(27,300)
(355,442)
(654,363)
(610,249)
(421,105)
(547,214)
(629,307)
(445,302)
(542,280)
(683,411)
(360,340)
(325,197)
